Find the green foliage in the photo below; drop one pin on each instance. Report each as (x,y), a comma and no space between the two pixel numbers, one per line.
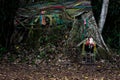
(51,35)
(41,55)
(2,51)
(45,35)
(33,37)
(11,58)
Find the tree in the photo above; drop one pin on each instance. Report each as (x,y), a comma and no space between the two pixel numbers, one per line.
(103,14)
(102,19)
(81,30)
(7,12)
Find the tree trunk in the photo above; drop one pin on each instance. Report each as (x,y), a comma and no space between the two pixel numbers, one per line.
(85,26)
(103,14)
(7,13)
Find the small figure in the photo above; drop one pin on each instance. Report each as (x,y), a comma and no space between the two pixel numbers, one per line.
(89,48)
(42,18)
(89,45)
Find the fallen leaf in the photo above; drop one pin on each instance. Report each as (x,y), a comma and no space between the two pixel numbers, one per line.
(66,36)
(66,78)
(98,66)
(86,77)
(102,78)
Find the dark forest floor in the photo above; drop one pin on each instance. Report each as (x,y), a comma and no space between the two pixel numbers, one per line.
(71,71)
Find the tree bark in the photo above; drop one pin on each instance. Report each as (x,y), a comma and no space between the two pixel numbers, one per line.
(103,15)
(7,13)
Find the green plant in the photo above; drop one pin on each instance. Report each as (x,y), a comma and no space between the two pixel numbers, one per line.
(2,50)
(11,58)
(41,55)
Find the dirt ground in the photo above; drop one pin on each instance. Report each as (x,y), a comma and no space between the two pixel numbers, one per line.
(58,72)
